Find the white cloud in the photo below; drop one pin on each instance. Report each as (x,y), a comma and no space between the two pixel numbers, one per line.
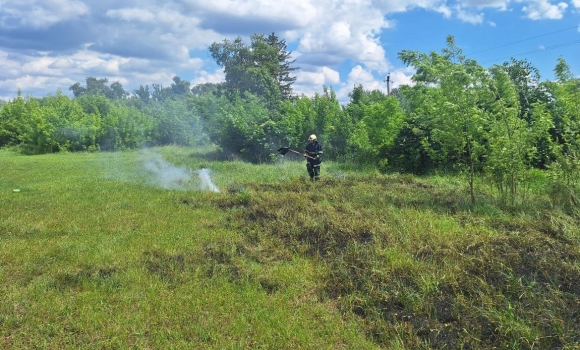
(301,13)
(461,12)
(311,82)
(204,77)
(391,6)
(322,76)
(402,77)
(39,14)
(32,85)
(576,3)
(10,66)
(359,76)
(469,17)
(544,9)
(444,10)
(349,31)
(131,14)
(60,63)
(497,4)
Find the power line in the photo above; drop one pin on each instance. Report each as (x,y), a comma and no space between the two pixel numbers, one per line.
(536,50)
(521,41)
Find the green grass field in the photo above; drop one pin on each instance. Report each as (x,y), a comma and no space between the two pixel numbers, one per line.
(135,250)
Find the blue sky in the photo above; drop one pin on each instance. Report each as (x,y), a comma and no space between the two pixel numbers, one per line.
(46,45)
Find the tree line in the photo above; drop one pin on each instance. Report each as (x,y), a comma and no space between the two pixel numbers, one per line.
(502,122)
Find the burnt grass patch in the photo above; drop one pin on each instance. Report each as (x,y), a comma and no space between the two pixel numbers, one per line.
(519,288)
(215,260)
(86,276)
(178,268)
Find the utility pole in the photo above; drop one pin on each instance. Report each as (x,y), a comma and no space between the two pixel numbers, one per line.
(388,84)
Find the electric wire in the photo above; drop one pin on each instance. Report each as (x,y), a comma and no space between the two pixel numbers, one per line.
(535,51)
(521,41)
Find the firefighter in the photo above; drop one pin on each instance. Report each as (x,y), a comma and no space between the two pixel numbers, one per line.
(313,157)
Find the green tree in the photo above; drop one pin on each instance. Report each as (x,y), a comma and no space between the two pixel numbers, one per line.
(205,88)
(512,139)
(414,149)
(526,80)
(120,125)
(180,87)
(176,122)
(243,127)
(143,93)
(457,117)
(66,126)
(14,121)
(283,69)
(359,98)
(294,121)
(565,172)
(160,93)
(375,133)
(263,68)
(117,91)
(328,123)
(96,86)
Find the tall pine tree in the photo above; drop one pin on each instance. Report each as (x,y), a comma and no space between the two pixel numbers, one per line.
(263,68)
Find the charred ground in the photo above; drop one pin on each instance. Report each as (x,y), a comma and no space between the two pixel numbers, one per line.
(420,266)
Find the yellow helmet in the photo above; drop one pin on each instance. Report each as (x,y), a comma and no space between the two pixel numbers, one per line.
(312,138)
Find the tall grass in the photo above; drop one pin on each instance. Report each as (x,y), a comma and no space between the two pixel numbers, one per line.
(100,252)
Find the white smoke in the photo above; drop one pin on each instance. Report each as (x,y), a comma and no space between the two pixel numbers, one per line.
(206,182)
(170,177)
(166,175)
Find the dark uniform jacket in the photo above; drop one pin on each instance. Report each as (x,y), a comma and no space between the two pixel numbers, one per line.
(315,151)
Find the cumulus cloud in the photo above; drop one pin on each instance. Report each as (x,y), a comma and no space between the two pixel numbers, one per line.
(469,17)
(290,13)
(501,5)
(392,6)
(309,82)
(131,14)
(360,76)
(259,16)
(444,10)
(402,77)
(347,32)
(38,14)
(544,9)
(465,11)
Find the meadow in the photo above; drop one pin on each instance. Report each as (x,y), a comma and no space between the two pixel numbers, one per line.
(173,248)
